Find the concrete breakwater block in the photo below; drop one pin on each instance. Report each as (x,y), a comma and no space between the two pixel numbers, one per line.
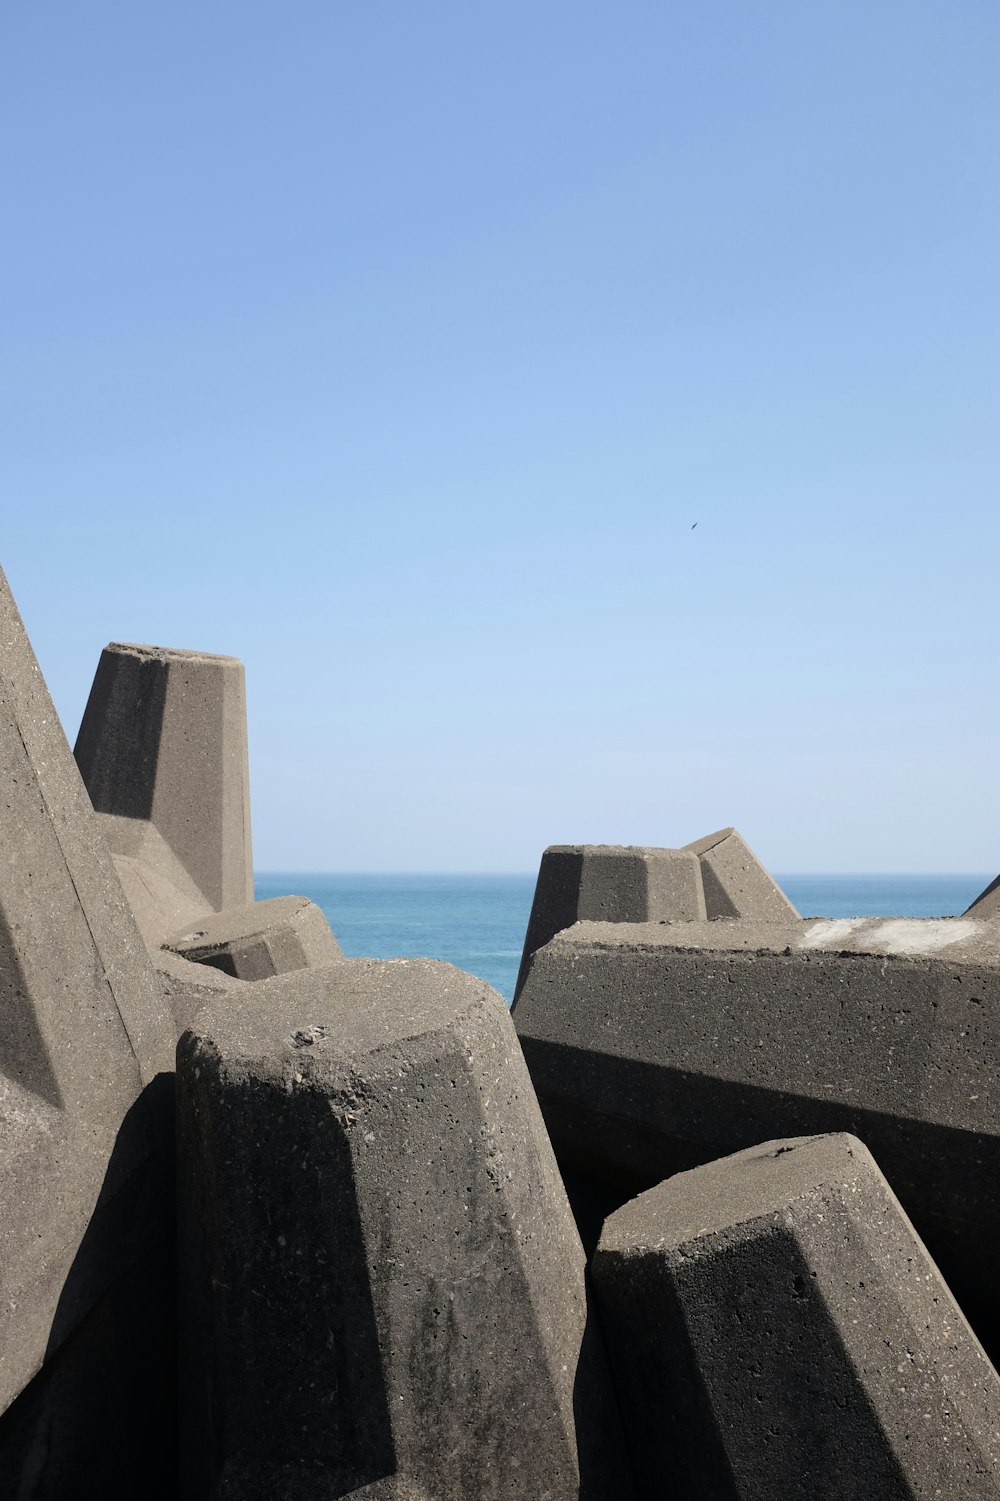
(654,1048)
(778,1331)
(162,749)
(734,881)
(84,1037)
(987,903)
(718,876)
(381,1282)
(267,938)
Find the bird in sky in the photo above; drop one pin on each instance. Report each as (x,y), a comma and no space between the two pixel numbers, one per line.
(693,525)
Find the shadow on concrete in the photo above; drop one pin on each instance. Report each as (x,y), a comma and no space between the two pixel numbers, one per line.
(944,1177)
(283,1390)
(24,1056)
(118,744)
(99,1418)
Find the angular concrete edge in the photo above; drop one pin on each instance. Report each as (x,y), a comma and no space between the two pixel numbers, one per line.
(717,876)
(86,1045)
(987,903)
(381,1280)
(736,884)
(264,939)
(610,883)
(777,1328)
(116,938)
(163,742)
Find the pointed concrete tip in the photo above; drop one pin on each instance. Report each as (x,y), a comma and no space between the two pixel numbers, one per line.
(987,903)
(709,841)
(736,883)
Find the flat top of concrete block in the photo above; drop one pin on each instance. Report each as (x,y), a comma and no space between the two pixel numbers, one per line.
(341,1013)
(233,923)
(167,653)
(637,851)
(964,940)
(733,1191)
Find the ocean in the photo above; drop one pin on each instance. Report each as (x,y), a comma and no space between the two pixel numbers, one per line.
(478,922)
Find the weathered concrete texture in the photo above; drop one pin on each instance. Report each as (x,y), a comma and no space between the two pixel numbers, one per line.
(381,1282)
(655,1048)
(778,1331)
(735,882)
(187,987)
(718,876)
(83,1033)
(987,903)
(163,752)
(610,883)
(257,942)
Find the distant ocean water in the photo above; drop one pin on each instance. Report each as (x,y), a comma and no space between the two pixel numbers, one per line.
(478,922)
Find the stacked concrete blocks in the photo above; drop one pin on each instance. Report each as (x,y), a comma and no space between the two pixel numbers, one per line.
(382,1285)
(778,1331)
(268,938)
(84,1038)
(718,876)
(162,749)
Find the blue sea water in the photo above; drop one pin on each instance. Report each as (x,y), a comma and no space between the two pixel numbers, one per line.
(478,922)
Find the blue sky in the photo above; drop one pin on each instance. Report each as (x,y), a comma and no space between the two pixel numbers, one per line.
(396,349)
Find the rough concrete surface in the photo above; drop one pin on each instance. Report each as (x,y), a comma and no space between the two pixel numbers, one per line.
(718,876)
(778,1331)
(381,1281)
(657,1047)
(162,749)
(610,883)
(735,882)
(987,903)
(267,938)
(84,1039)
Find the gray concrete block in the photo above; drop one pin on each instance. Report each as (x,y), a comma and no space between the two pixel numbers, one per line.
(84,1038)
(381,1282)
(655,1048)
(735,882)
(778,1331)
(610,883)
(987,903)
(162,749)
(257,942)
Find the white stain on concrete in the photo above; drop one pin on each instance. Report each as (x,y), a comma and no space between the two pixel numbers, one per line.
(918,935)
(830,931)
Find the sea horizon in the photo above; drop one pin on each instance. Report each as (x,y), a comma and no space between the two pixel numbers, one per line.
(477,920)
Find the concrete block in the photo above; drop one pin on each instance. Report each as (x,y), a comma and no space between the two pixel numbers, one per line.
(162,749)
(735,882)
(779,1331)
(382,1287)
(987,903)
(257,942)
(84,1039)
(610,883)
(655,1048)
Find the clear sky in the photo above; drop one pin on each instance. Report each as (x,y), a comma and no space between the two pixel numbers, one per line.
(581,418)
